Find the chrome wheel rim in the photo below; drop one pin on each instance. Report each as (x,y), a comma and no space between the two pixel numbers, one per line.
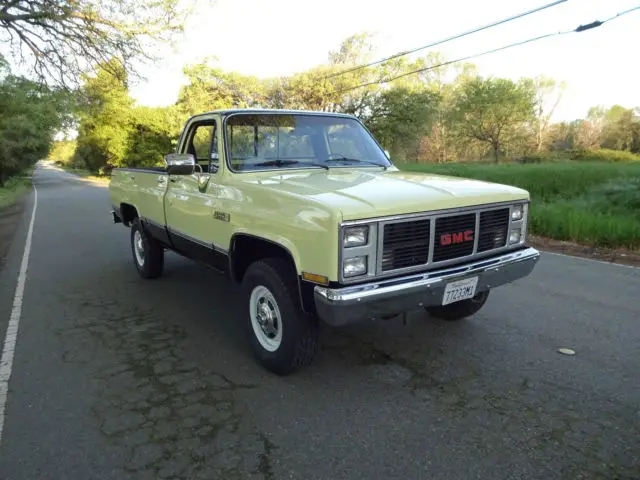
(138,247)
(265,318)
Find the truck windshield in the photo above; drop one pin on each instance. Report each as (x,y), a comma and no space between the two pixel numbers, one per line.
(281,141)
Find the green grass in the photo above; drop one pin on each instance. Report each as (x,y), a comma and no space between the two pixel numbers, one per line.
(13,189)
(594,203)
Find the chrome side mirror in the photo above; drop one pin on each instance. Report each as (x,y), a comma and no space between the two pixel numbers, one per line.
(180,163)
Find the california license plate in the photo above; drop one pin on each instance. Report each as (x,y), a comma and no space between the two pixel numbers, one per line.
(460,290)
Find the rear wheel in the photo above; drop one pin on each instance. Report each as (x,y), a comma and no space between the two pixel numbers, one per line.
(148,254)
(459,310)
(282,336)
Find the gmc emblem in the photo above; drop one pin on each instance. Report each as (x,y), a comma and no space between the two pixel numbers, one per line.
(453,238)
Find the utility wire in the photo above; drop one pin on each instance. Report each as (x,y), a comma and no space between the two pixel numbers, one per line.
(580,28)
(439,42)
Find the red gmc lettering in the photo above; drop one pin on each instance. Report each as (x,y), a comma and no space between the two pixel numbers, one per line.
(460,237)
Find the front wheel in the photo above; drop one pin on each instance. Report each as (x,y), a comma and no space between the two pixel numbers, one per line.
(459,310)
(282,336)
(148,254)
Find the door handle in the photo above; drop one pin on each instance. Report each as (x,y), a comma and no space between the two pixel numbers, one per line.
(132,177)
(160,179)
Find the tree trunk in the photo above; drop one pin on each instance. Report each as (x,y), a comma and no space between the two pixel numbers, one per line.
(496,148)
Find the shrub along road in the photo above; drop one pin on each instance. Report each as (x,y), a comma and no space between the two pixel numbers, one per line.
(115,377)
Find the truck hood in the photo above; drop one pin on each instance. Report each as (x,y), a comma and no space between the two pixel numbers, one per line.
(359,194)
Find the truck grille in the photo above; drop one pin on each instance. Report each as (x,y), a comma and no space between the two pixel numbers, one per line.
(451,241)
(405,244)
(494,225)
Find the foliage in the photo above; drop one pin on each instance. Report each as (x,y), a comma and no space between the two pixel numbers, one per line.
(443,114)
(604,155)
(62,151)
(151,136)
(487,109)
(13,189)
(31,115)
(63,39)
(106,120)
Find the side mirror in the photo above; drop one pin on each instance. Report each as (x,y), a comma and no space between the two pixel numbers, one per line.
(180,163)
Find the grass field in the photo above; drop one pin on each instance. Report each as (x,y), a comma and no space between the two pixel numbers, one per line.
(13,189)
(593,203)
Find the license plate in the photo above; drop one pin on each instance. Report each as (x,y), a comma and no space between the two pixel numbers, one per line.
(460,290)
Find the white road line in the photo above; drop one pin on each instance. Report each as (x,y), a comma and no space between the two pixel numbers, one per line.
(14,320)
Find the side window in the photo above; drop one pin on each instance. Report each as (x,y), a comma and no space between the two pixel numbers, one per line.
(204,146)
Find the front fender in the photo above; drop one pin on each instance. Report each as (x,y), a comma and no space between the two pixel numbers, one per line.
(308,230)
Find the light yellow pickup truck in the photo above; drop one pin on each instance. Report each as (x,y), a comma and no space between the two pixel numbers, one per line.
(306,211)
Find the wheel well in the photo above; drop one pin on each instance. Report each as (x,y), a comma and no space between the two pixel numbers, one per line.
(128,212)
(247,249)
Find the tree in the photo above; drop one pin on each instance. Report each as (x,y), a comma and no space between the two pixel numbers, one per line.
(547,97)
(589,131)
(151,136)
(211,88)
(619,127)
(486,108)
(62,39)
(105,121)
(399,118)
(31,114)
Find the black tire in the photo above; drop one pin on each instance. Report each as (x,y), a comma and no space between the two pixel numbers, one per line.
(459,310)
(152,254)
(299,331)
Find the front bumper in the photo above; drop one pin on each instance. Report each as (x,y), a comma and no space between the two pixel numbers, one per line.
(342,306)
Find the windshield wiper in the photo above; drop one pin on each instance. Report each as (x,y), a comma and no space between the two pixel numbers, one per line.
(282,163)
(358,160)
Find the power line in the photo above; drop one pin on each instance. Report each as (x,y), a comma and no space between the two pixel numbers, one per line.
(439,42)
(580,28)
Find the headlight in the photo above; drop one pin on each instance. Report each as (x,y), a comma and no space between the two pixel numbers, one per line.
(514,236)
(356,236)
(354,266)
(516,213)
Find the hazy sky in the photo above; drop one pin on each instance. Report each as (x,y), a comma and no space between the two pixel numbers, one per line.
(276,37)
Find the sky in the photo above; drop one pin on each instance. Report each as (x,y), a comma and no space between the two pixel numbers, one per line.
(280,37)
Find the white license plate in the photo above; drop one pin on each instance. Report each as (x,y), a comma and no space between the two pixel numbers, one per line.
(460,290)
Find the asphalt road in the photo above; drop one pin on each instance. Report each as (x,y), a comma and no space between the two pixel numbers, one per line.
(115,377)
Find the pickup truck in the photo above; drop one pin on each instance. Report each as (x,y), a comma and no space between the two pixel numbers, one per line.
(306,211)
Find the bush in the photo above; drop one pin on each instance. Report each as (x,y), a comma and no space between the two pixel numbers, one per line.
(604,155)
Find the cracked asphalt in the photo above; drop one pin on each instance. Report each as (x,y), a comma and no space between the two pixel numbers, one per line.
(115,377)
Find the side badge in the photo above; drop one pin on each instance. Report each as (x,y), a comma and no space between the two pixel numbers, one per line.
(225,217)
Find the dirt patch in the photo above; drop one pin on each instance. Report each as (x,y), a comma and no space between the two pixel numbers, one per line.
(9,218)
(613,255)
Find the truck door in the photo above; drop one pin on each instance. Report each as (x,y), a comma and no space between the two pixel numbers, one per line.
(189,201)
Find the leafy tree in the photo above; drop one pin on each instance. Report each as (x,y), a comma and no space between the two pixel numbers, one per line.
(399,118)
(211,88)
(106,120)
(619,128)
(151,136)
(61,40)
(486,108)
(31,114)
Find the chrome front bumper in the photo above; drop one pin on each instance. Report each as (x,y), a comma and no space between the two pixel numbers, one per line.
(342,306)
